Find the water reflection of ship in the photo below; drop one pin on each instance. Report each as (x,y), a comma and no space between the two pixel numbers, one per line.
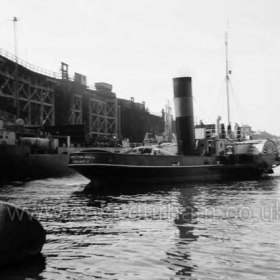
(179,258)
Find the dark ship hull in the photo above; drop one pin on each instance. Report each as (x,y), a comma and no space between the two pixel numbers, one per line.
(18,164)
(109,170)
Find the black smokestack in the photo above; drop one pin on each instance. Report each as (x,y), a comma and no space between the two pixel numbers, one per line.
(184,115)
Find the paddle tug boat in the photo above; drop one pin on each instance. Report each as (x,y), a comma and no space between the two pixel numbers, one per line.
(220,156)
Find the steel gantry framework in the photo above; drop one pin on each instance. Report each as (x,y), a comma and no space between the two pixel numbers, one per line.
(76,110)
(103,117)
(43,98)
(30,94)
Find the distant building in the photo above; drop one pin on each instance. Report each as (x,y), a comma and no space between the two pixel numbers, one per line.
(136,121)
(95,108)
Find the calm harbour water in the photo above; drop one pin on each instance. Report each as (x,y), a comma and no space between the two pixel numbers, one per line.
(196,231)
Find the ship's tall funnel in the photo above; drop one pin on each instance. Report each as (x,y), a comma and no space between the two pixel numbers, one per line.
(183,102)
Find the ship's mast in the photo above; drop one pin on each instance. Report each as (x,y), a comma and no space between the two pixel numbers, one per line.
(227,78)
(16,69)
(168,122)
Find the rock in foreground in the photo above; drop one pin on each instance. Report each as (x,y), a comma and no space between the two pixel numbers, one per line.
(21,235)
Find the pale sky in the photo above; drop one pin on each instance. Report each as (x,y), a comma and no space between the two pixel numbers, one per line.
(139,46)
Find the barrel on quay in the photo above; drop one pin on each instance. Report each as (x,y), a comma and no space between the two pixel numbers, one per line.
(21,235)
